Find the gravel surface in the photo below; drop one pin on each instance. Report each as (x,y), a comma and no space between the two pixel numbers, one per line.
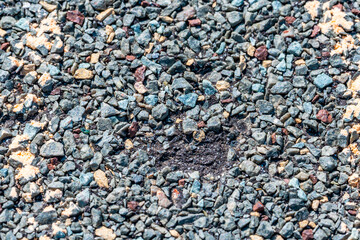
(191,119)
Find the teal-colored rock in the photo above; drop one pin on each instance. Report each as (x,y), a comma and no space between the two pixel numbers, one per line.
(221,48)
(276,5)
(281,66)
(53,70)
(86,178)
(151,100)
(189,99)
(257,87)
(154,67)
(23,24)
(123,104)
(237,3)
(295,48)
(294,182)
(196,186)
(84,65)
(4,172)
(323,80)
(208,88)
(302,195)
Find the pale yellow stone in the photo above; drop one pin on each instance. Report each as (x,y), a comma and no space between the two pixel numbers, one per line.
(94,58)
(256,237)
(156,36)
(251,50)
(166,19)
(47,6)
(312,224)
(266,63)
(105,233)
(174,233)
(303,223)
(242,63)
(104,14)
(44,237)
(128,144)
(300,62)
(255,214)
(287,219)
(149,48)
(324,199)
(101,179)
(201,98)
(278,237)
(162,39)
(83,73)
(2,33)
(109,30)
(354,180)
(222,85)
(226,114)
(304,151)
(315,205)
(345,196)
(190,62)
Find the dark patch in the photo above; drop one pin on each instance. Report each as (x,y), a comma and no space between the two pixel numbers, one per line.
(185,154)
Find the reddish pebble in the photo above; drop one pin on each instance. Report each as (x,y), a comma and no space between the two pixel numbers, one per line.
(88,58)
(264,218)
(77,130)
(258,207)
(315,31)
(325,54)
(181,182)
(75,16)
(352,212)
(324,116)
(261,53)
(194,22)
(140,73)
(228,100)
(56,91)
(145,4)
(4,46)
(355,11)
(50,166)
(313,179)
(339,6)
(133,129)
(130,57)
(285,131)
(290,20)
(273,138)
(201,124)
(132,205)
(307,234)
